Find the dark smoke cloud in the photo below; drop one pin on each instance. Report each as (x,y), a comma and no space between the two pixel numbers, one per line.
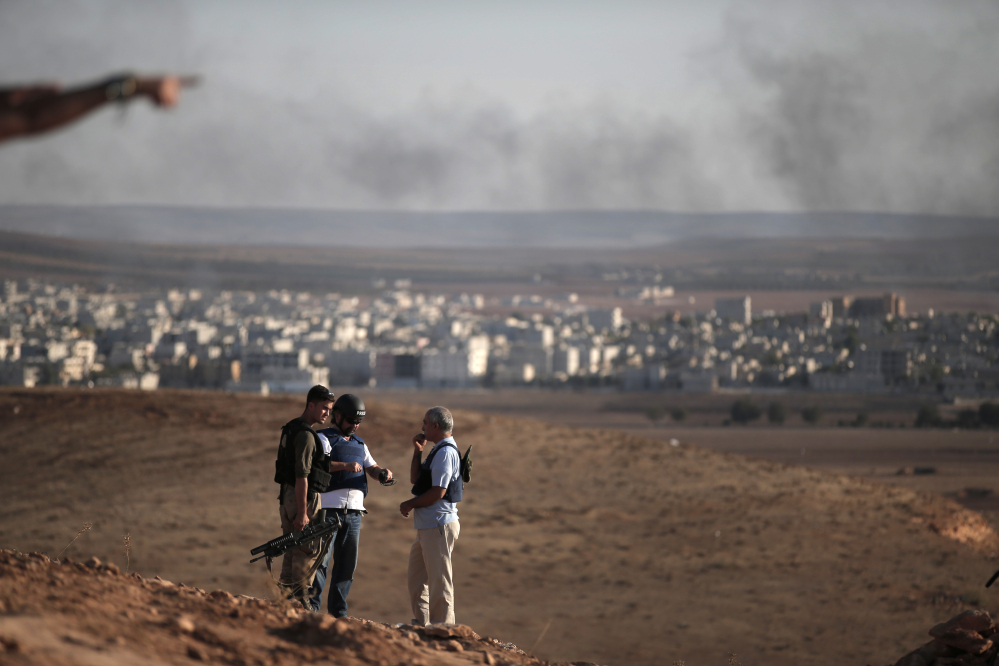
(487,157)
(432,157)
(881,117)
(857,109)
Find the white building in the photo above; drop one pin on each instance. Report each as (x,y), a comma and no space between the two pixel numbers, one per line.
(566,360)
(456,365)
(351,367)
(444,367)
(293,380)
(647,378)
(821,313)
(698,382)
(605,319)
(737,309)
(130,355)
(541,358)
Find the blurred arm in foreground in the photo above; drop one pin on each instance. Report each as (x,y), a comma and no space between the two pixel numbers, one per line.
(34,109)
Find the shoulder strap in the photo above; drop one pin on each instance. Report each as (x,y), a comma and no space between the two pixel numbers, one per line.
(294,425)
(441,448)
(331,436)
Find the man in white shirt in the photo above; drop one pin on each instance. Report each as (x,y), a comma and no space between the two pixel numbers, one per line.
(344,502)
(437,489)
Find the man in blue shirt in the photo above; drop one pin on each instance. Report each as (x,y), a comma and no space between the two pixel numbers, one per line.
(437,489)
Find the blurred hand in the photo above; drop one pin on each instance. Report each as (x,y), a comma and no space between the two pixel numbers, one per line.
(419,441)
(301,520)
(163,91)
(405,508)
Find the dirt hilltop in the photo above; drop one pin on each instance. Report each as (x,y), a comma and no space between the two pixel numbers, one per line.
(628,550)
(62,612)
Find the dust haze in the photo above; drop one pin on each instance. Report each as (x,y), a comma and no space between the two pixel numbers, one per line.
(888,107)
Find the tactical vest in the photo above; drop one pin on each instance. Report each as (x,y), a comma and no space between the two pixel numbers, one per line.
(284,466)
(424,482)
(346,451)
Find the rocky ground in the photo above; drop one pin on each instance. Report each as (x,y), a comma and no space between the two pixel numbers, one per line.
(69,613)
(589,545)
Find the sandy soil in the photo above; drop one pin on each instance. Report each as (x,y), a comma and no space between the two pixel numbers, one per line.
(634,550)
(963,465)
(67,613)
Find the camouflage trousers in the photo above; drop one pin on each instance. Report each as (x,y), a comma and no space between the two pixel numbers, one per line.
(298,562)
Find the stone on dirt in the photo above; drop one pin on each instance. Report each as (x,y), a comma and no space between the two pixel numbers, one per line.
(959,640)
(196,653)
(450,631)
(972,620)
(965,641)
(184,623)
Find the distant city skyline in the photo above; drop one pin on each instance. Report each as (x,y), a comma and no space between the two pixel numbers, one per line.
(714,107)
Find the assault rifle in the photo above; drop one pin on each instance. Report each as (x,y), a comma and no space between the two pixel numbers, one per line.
(992,580)
(282,544)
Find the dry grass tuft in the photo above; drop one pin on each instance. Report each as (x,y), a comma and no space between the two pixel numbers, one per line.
(278,595)
(540,636)
(86,528)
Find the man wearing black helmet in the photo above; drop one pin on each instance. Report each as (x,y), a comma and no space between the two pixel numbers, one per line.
(302,469)
(344,501)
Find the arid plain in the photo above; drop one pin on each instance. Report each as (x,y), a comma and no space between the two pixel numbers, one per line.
(962,464)
(635,550)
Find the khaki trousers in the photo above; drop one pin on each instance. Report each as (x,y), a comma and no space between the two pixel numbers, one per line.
(431,583)
(298,561)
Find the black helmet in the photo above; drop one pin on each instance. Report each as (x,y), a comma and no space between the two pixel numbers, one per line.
(350,407)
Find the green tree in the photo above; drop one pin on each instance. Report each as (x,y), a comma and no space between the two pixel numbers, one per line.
(967,419)
(988,414)
(811,415)
(928,416)
(775,412)
(745,410)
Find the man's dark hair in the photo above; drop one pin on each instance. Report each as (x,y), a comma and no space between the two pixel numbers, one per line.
(319,393)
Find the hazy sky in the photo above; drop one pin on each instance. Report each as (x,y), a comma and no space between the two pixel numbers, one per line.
(684,106)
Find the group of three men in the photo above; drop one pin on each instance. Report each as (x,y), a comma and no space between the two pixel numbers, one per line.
(324,471)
